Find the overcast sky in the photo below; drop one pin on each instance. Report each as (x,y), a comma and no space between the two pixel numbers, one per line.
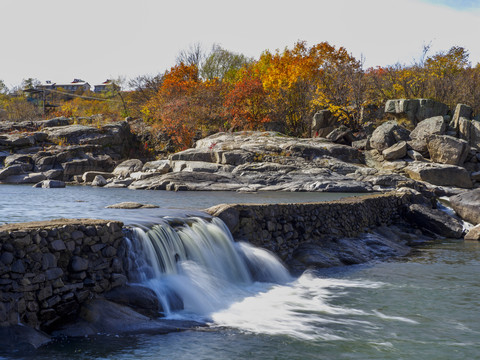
(94,40)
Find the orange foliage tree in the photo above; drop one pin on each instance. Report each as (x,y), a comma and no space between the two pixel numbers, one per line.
(245,104)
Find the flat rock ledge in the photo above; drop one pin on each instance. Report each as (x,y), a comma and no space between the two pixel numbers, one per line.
(131,205)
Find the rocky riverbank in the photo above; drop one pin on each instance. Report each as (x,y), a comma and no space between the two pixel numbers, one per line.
(439,156)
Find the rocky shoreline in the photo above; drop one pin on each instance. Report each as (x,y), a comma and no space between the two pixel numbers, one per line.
(440,156)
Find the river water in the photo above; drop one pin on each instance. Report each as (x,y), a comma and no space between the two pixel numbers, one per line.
(424,306)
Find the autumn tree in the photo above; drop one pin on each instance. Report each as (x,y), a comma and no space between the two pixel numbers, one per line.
(173,108)
(246,104)
(443,70)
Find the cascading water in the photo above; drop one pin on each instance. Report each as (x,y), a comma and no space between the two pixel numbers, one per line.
(195,263)
(199,273)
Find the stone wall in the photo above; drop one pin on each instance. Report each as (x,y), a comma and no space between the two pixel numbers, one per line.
(47,269)
(281,228)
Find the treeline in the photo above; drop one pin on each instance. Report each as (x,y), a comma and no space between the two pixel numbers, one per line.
(222,90)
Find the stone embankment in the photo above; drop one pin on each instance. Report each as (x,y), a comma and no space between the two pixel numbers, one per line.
(48,269)
(347,231)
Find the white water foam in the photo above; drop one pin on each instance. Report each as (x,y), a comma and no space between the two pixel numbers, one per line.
(236,285)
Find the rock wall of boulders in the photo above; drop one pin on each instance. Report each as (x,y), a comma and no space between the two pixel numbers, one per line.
(48,269)
(281,228)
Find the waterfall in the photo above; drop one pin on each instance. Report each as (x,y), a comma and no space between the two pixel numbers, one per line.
(195,266)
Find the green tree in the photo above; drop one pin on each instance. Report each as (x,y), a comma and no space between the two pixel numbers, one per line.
(3,88)
(223,65)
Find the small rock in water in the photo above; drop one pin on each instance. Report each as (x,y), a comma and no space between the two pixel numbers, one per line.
(50,184)
(131,205)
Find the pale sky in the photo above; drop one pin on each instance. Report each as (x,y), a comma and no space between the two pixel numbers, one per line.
(59,40)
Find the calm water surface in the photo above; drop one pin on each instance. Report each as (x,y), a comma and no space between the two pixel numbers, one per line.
(425,306)
(21,203)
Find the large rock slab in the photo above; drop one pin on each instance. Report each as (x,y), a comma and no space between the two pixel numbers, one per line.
(323,123)
(446,149)
(473,233)
(234,157)
(204,155)
(439,174)
(125,168)
(131,205)
(461,111)
(103,163)
(141,299)
(467,205)
(436,125)
(158,166)
(187,180)
(395,152)
(106,317)
(415,110)
(388,134)
(434,220)
(311,151)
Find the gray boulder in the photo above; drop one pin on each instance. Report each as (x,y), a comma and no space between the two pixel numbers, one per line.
(158,166)
(15,337)
(30,178)
(341,135)
(310,151)
(127,167)
(415,155)
(467,205)
(419,146)
(99,181)
(473,133)
(234,157)
(12,170)
(323,123)
(473,233)
(415,110)
(90,175)
(200,154)
(131,205)
(141,299)
(461,111)
(439,174)
(103,163)
(446,149)
(388,134)
(106,317)
(433,126)
(58,121)
(16,159)
(434,220)
(394,152)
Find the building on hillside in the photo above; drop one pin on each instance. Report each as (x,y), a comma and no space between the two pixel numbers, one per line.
(75,85)
(105,86)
